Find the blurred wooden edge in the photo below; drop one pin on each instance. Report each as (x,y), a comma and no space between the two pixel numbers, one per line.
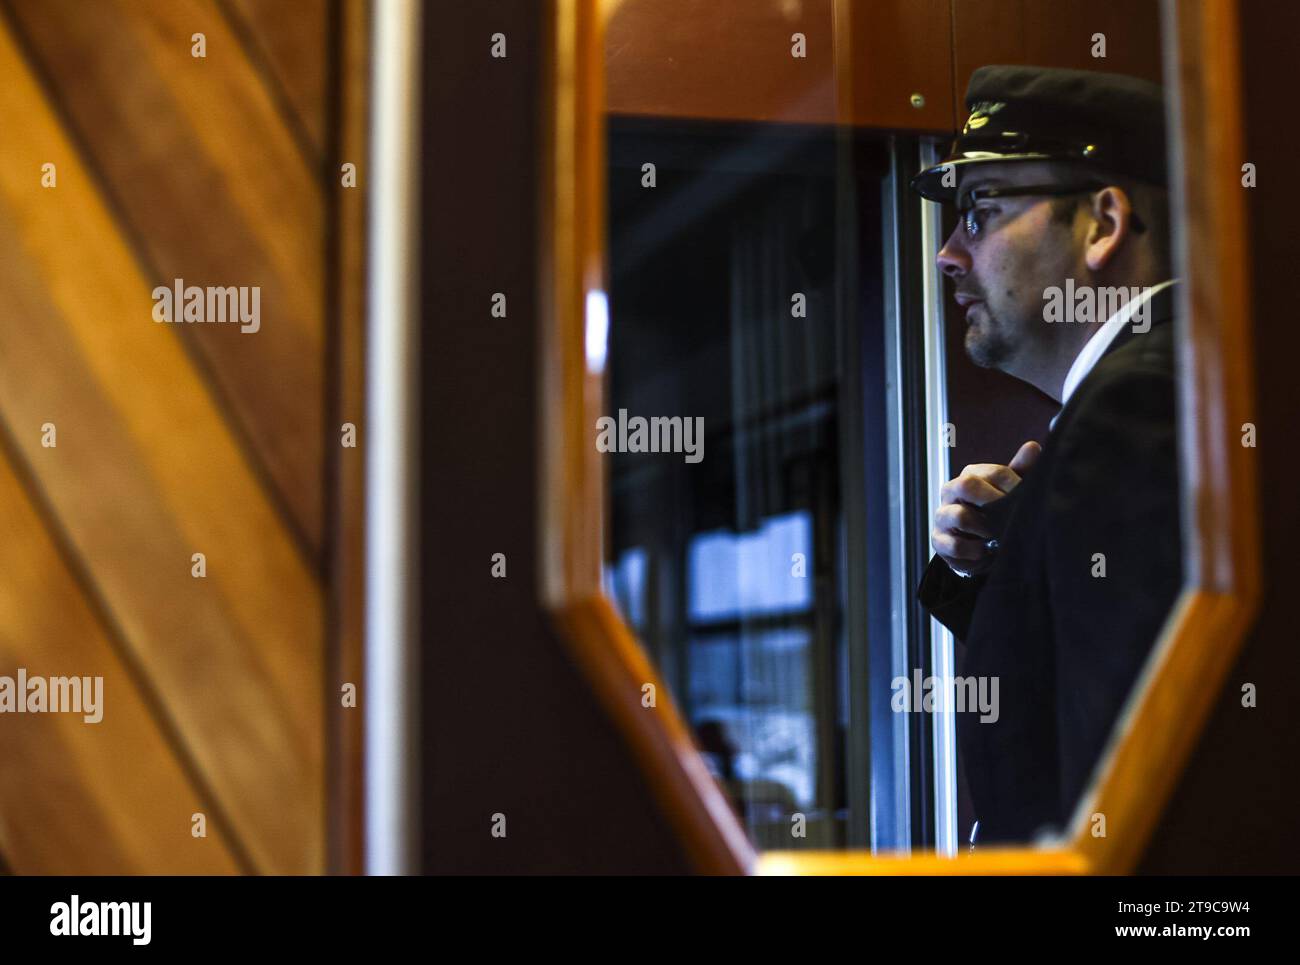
(1007,861)
(1206,628)
(572,254)
(1217,395)
(347,142)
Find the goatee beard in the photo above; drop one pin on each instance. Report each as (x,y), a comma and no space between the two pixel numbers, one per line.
(985,345)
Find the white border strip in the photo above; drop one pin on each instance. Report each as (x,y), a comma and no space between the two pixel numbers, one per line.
(392,403)
(946,838)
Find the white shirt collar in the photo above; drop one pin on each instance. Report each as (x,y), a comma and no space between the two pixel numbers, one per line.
(1096,346)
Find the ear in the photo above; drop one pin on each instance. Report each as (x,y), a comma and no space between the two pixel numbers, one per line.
(1112,214)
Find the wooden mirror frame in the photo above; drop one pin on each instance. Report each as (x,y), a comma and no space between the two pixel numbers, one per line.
(1154,735)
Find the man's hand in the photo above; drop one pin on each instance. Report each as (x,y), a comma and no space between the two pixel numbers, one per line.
(960,529)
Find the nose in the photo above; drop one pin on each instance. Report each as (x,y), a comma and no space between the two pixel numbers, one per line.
(953,257)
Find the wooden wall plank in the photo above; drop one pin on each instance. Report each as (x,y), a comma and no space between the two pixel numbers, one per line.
(102,798)
(346,588)
(984,32)
(291,40)
(212,188)
(1061,35)
(900,48)
(1055,33)
(732,60)
(724,59)
(146,473)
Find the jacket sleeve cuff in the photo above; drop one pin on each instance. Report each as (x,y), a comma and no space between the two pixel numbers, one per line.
(949,598)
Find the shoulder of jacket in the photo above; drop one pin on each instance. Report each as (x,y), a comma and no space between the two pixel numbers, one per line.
(1140,370)
(1152,348)
(1119,407)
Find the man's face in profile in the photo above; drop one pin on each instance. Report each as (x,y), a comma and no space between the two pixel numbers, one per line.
(1001,273)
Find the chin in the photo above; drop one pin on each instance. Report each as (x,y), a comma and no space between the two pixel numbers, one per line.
(976,351)
(985,355)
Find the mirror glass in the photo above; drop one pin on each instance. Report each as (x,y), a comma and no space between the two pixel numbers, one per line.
(794,381)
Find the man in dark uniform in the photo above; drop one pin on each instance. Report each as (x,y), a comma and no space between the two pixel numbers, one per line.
(1058,570)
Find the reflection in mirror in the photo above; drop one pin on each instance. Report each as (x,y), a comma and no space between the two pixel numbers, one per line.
(728,555)
(802,356)
(1058,549)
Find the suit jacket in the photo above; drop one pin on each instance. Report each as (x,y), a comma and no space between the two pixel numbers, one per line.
(1066,645)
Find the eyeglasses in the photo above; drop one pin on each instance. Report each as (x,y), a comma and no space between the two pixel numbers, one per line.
(970,216)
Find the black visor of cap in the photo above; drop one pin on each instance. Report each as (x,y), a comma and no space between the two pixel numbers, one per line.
(940,182)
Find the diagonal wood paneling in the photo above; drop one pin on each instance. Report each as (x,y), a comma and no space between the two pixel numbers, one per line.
(290,43)
(148,471)
(111,793)
(210,186)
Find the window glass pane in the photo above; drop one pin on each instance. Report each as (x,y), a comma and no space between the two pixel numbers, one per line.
(728,549)
(731,574)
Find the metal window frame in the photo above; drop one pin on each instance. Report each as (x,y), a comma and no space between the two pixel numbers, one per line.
(895,773)
(921,770)
(942,655)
